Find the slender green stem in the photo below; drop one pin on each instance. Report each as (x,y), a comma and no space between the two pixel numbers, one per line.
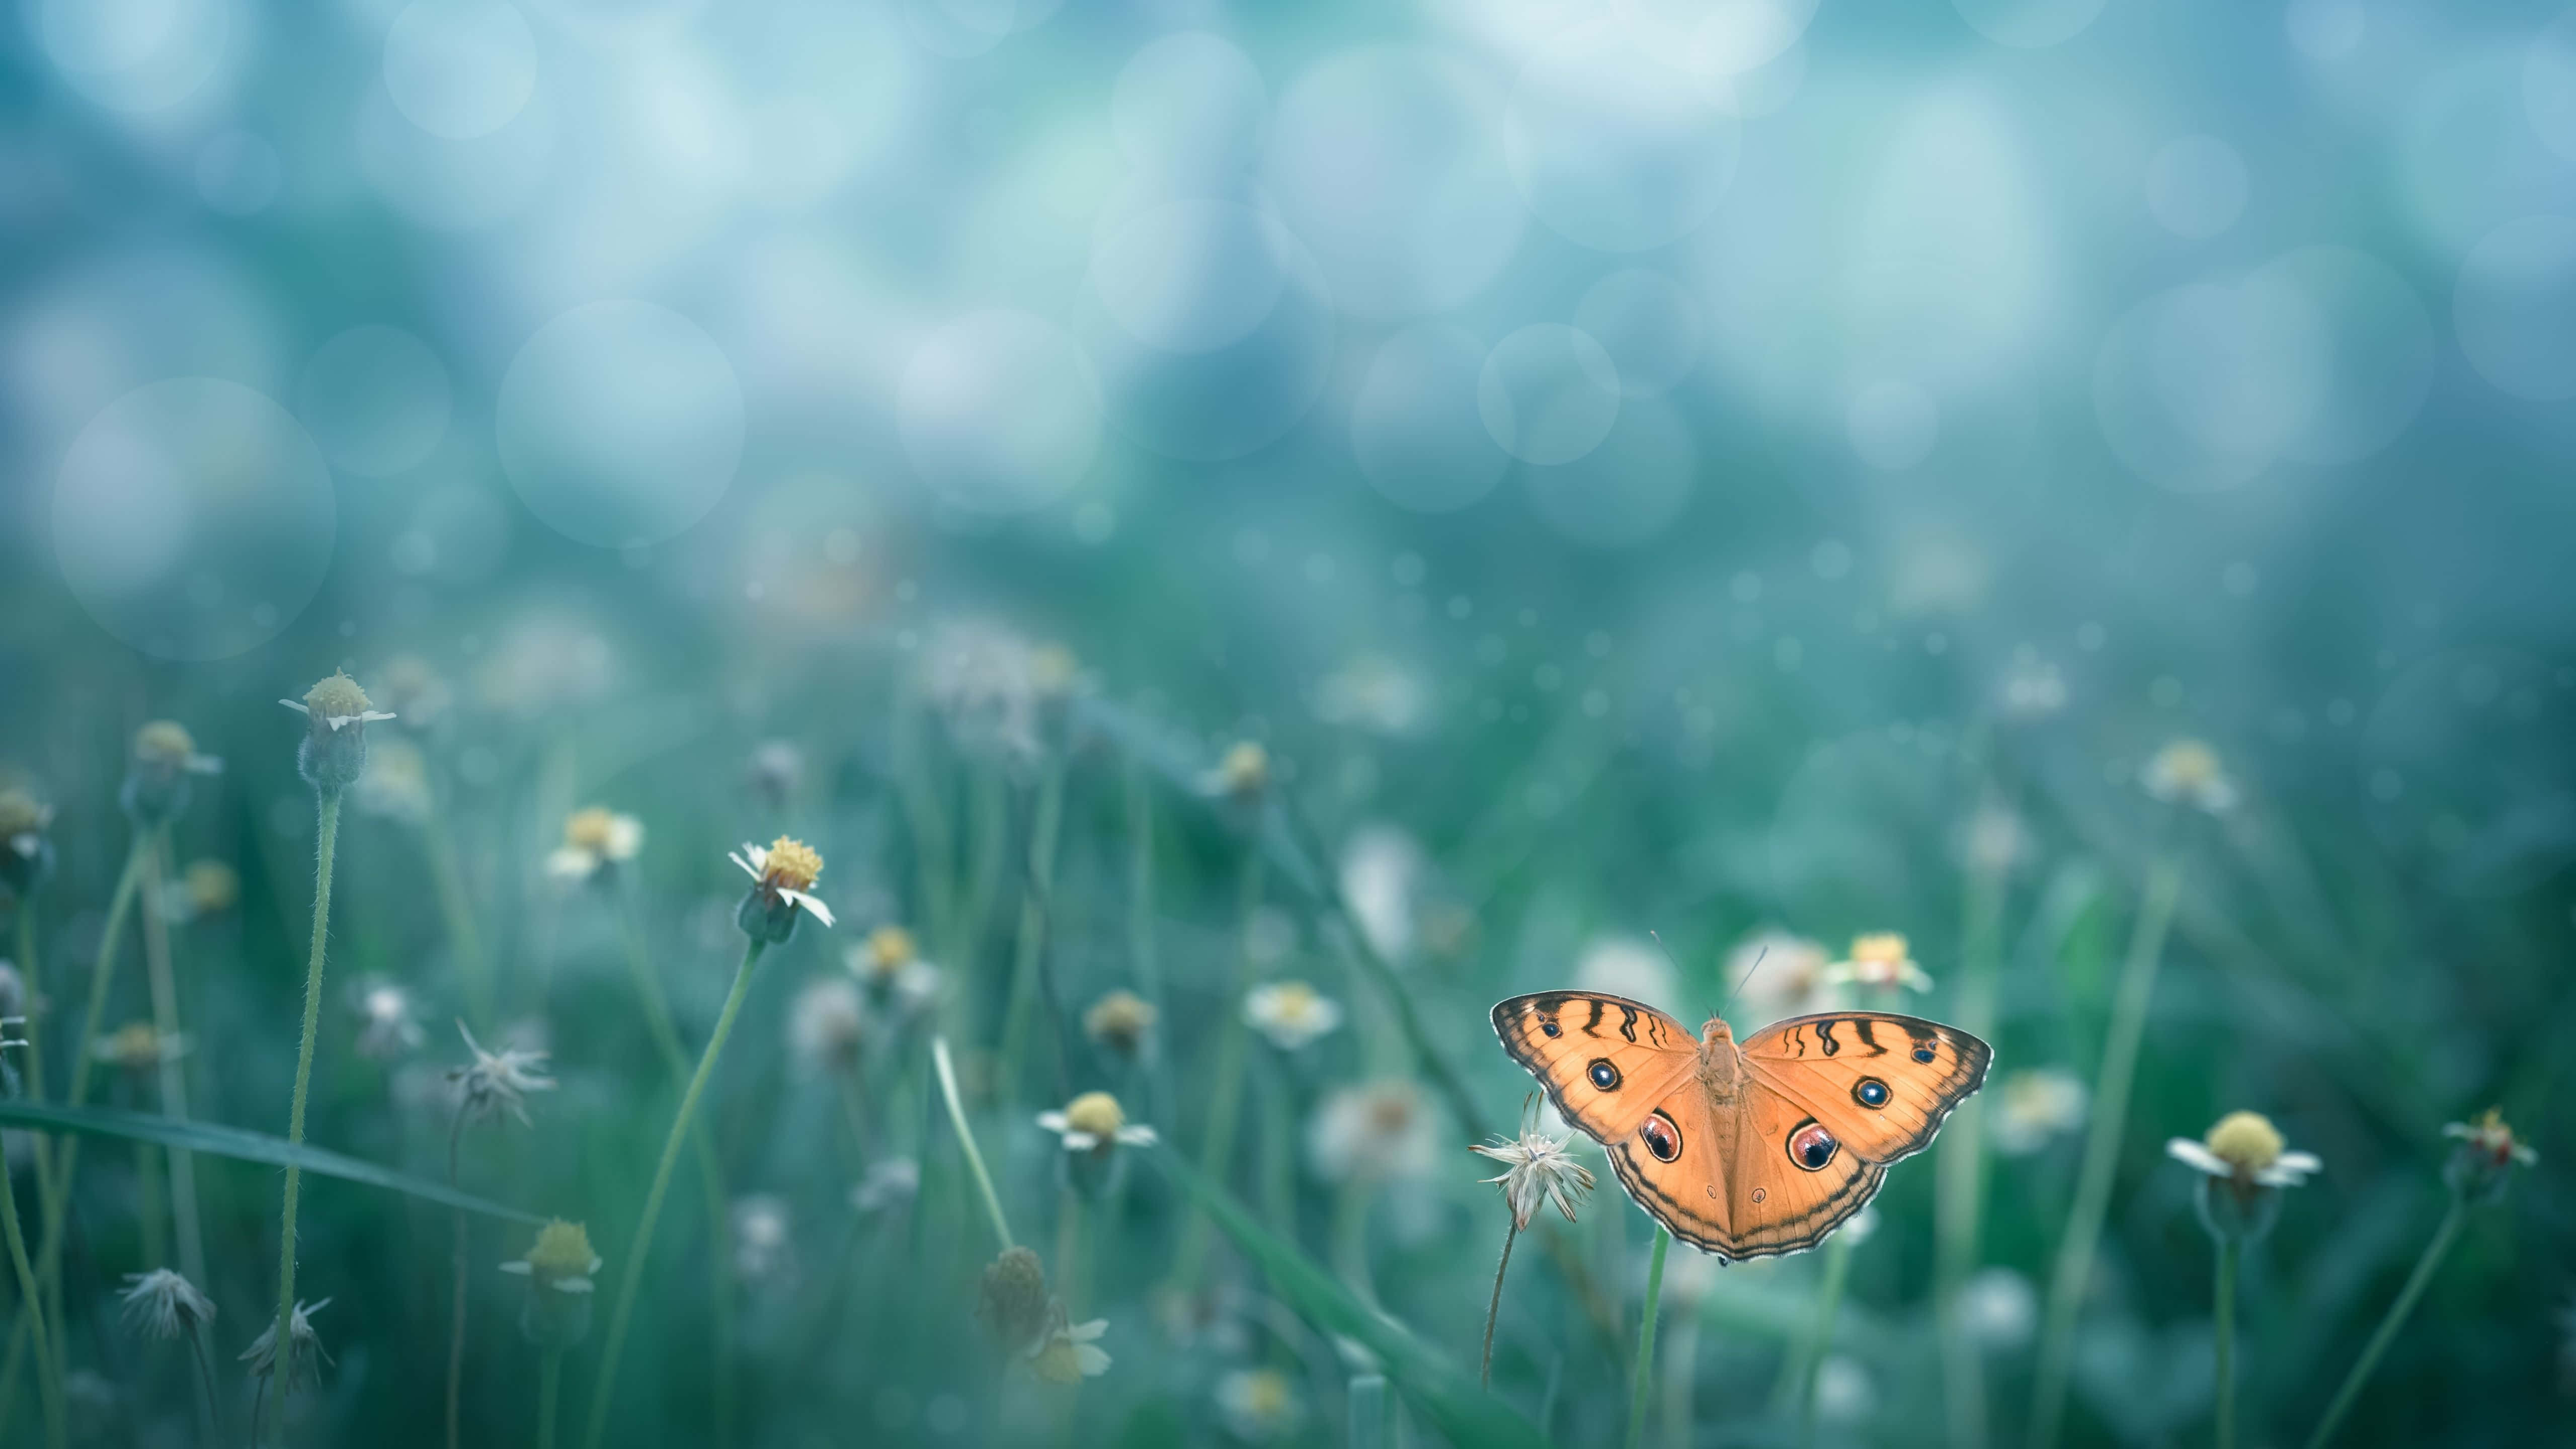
(549,1386)
(966,1139)
(1494,1310)
(48,1381)
(2223,1297)
(2101,1151)
(325,846)
(1225,1098)
(35,1088)
(1030,946)
(58,1199)
(675,1060)
(1829,1300)
(1140,923)
(1959,1186)
(149,1209)
(1644,1371)
(2396,1319)
(158,962)
(456,1296)
(630,1280)
(1372,1410)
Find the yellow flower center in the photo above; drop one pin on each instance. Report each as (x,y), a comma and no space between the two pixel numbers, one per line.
(1883,948)
(590,829)
(793,865)
(889,947)
(164,742)
(562,1251)
(20,814)
(213,886)
(1389,1113)
(1293,1001)
(2246,1141)
(1097,1113)
(2489,1133)
(135,1044)
(2188,762)
(336,697)
(1246,769)
(1265,1394)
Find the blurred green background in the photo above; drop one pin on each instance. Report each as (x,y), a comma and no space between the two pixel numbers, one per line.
(1701,468)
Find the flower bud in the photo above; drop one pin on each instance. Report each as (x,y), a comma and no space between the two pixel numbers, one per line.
(26,855)
(2485,1159)
(334,752)
(156,781)
(558,1269)
(1012,1302)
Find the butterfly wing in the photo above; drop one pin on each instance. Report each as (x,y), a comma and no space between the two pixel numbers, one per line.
(1605,1061)
(1723,1178)
(1879,1083)
(1675,1165)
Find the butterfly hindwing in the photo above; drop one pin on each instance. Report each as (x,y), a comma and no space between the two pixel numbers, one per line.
(1605,1061)
(1675,1166)
(1879,1082)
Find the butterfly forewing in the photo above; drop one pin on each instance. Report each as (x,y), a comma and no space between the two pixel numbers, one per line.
(1605,1061)
(1879,1082)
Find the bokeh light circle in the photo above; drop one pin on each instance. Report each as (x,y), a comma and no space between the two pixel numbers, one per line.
(1415,428)
(136,56)
(1227,401)
(1616,146)
(376,399)
(451,185)
(2201,387)
(1727,37)
(1384,163)
(1893,424)
(1191,276)
(1548,394)
(238,173)
(1189,107)
(193,518)
(2377,351)
(2028,24)
(460,68)
(620,423)
(2515,309)
(1648,323)
(2196,187)
(1626,491)
(2469,156)
(1000,412)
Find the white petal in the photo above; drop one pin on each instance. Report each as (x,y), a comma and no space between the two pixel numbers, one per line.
(2198,1157)
(371,716)
(291,704)
(1052,1121)
(747,867)
(1079,1141)
(573,1285)
(1139,1135)
(521,1268)
(1092,1361)
(1086,1332)
(204,765)
(821,911)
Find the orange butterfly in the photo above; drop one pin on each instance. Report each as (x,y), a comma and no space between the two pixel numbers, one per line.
(1753,1150)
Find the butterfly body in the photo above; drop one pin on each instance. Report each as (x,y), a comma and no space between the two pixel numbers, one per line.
(1744,1149)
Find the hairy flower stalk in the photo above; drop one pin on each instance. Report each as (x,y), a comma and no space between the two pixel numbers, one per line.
(1537,1171)
(2074,1269)
(781,895)
(559,1269)
(947,1073)
(49,1383)
(495,1082)
(331,758)
(173,1079)
(1242,778)
(1643,1374)
(2243,1167)
(2478,1172)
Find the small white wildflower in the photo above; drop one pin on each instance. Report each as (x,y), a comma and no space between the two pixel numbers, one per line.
(165,1305)
(891,1182)
(1259,1404)
(2034,1106)
(1070,1352)
(827,1022)
(1880,962)
(594,839)
(1290,1013)
(1375,1131)
(1537,1170)
(389,1020)
(305,1359)
(1998,1308)
(782,885)
(1094,1122)
(2187,772)
(762,1242)
(497,1082)
(2247,1148)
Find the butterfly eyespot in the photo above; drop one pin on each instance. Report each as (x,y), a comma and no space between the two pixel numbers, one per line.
(1605,1077)
(1661,1137)
(1924,1054)
(1759,1194)
(1551,1028)
(1811,1146)
(1870,1092)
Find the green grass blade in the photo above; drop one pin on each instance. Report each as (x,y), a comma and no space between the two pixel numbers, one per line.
(246,1146)
(1439,1389)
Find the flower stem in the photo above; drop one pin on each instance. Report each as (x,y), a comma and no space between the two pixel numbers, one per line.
(1020,1012)
(48,1382)
(2101,1151)
(456,1308)
(2223,1296)
(1644,1371)
(1371,1408)
(457,905)
(632,1278)
(325,846)
(675,1059)
(1959,1186)
(966,1140)
(2396,1319)
(174,1077)
(1494,1310)
(1829,1299)
(1225,1099)
(549,1386)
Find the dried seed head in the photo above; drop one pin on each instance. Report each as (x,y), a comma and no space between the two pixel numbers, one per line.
(1012,1301)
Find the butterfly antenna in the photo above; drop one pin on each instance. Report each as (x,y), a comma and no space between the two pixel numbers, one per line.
(1741,980)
